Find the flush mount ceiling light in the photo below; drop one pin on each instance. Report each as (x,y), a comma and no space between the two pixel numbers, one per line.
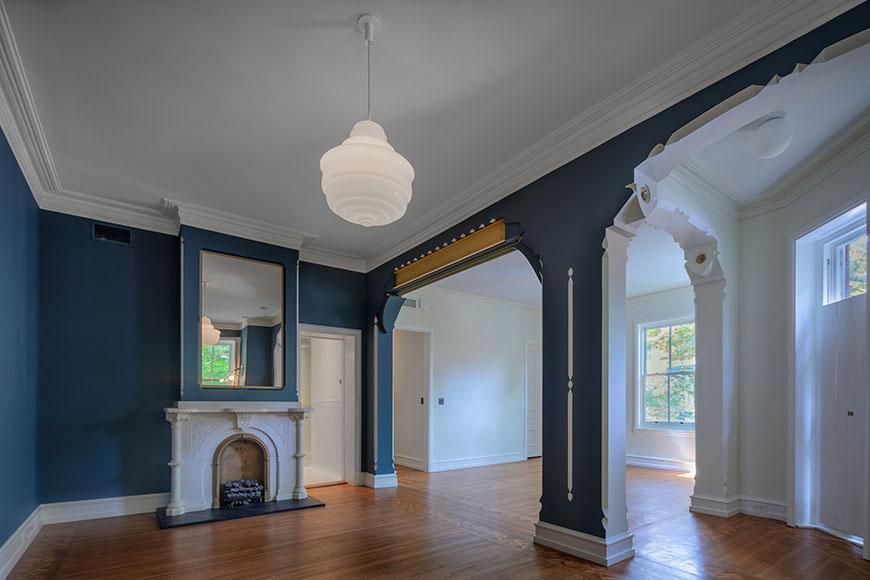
(364,180)
(772,138)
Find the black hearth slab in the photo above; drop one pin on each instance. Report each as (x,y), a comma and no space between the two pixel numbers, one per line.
(219,515)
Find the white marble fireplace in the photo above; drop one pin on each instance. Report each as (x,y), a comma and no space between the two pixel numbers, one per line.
(200,429)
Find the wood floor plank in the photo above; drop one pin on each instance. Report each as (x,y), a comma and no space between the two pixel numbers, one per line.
(470,523)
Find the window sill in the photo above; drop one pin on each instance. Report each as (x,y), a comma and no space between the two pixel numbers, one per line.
(664,431)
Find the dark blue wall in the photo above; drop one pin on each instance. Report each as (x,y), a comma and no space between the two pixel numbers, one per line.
(193,241)
(565,215)
(331,297)
(257,355)
(109,344)
(19,307)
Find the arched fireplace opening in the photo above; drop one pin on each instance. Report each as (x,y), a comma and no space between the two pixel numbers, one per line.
(241,468)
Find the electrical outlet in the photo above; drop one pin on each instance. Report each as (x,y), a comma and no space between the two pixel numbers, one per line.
(440,400)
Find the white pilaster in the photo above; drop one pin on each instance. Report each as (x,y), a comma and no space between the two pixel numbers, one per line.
(176,505)
(299,491)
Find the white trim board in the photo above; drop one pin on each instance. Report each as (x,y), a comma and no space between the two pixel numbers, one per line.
(479,461)
(660,463)
(72,511)
(753,34)
(380,481)
(748,505)
(605,552)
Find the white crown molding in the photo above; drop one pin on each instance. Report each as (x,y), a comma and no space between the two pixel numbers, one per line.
(748,37)
(827,160)
(19,118)
(332,258)
(108,210)
(753,34)
(199,216)
(430,292)
(695,176)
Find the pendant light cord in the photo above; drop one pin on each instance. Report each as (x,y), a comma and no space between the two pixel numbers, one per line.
(369,85)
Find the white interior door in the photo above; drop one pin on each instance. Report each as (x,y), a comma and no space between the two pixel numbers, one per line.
(533,382)
(326,372)
(843,382)
(410,399)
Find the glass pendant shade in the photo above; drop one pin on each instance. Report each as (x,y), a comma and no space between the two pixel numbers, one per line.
(210,335)
(364,180)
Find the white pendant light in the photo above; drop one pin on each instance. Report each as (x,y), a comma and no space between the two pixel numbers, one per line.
(209,335)
(364,180)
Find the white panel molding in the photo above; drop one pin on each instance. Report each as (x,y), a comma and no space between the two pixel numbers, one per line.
(746,38)
(199,216)
(606,552)
(332,258)
(478,461)
(380,481)
(445,294)
(108,210)
(109,507)
(660,463)
(570,391)
(15,546)
(411,462)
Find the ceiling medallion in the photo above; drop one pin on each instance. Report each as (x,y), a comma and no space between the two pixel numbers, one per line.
(365,180)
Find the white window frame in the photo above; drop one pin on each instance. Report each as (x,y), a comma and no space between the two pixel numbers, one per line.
(640,365)
(833,260)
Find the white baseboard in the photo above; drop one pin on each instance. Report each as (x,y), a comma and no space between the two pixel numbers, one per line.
(599,550)
(109,507)
(749,505)
(660,463)
(763,508)
(479,461)
(73,511)
(381,481)
(15,546)
(411,462)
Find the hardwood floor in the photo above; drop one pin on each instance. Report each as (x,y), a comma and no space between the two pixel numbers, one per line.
(458,524)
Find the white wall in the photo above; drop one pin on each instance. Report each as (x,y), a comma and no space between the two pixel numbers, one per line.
(410,383)
(765,270)
(478,350)
(646,446)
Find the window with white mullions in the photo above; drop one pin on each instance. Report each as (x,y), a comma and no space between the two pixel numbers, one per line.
(667,375)
(845,260)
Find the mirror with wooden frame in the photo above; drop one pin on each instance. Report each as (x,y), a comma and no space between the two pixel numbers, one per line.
(241,323)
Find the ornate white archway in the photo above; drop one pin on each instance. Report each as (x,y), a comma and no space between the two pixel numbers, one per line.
(712,385)
(716,466)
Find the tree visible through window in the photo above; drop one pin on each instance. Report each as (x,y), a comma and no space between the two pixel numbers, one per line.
(668,374)
(846,265)
(219,363)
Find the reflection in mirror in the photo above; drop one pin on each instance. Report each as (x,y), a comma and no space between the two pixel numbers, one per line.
(241,322)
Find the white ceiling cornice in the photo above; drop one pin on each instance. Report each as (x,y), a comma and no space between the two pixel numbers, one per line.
(324,257)
(108,210)
(234,225)
(830,158)
(753,34)
(19,118)
(694,176)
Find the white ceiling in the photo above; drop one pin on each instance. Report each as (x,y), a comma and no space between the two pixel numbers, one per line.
(746,177)
(230,105)
(655,262)
(509,277)
(238,290)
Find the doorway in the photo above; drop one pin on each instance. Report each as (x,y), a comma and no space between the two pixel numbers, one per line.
(411,377)
(534,421)
(329,382)
(830,374)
